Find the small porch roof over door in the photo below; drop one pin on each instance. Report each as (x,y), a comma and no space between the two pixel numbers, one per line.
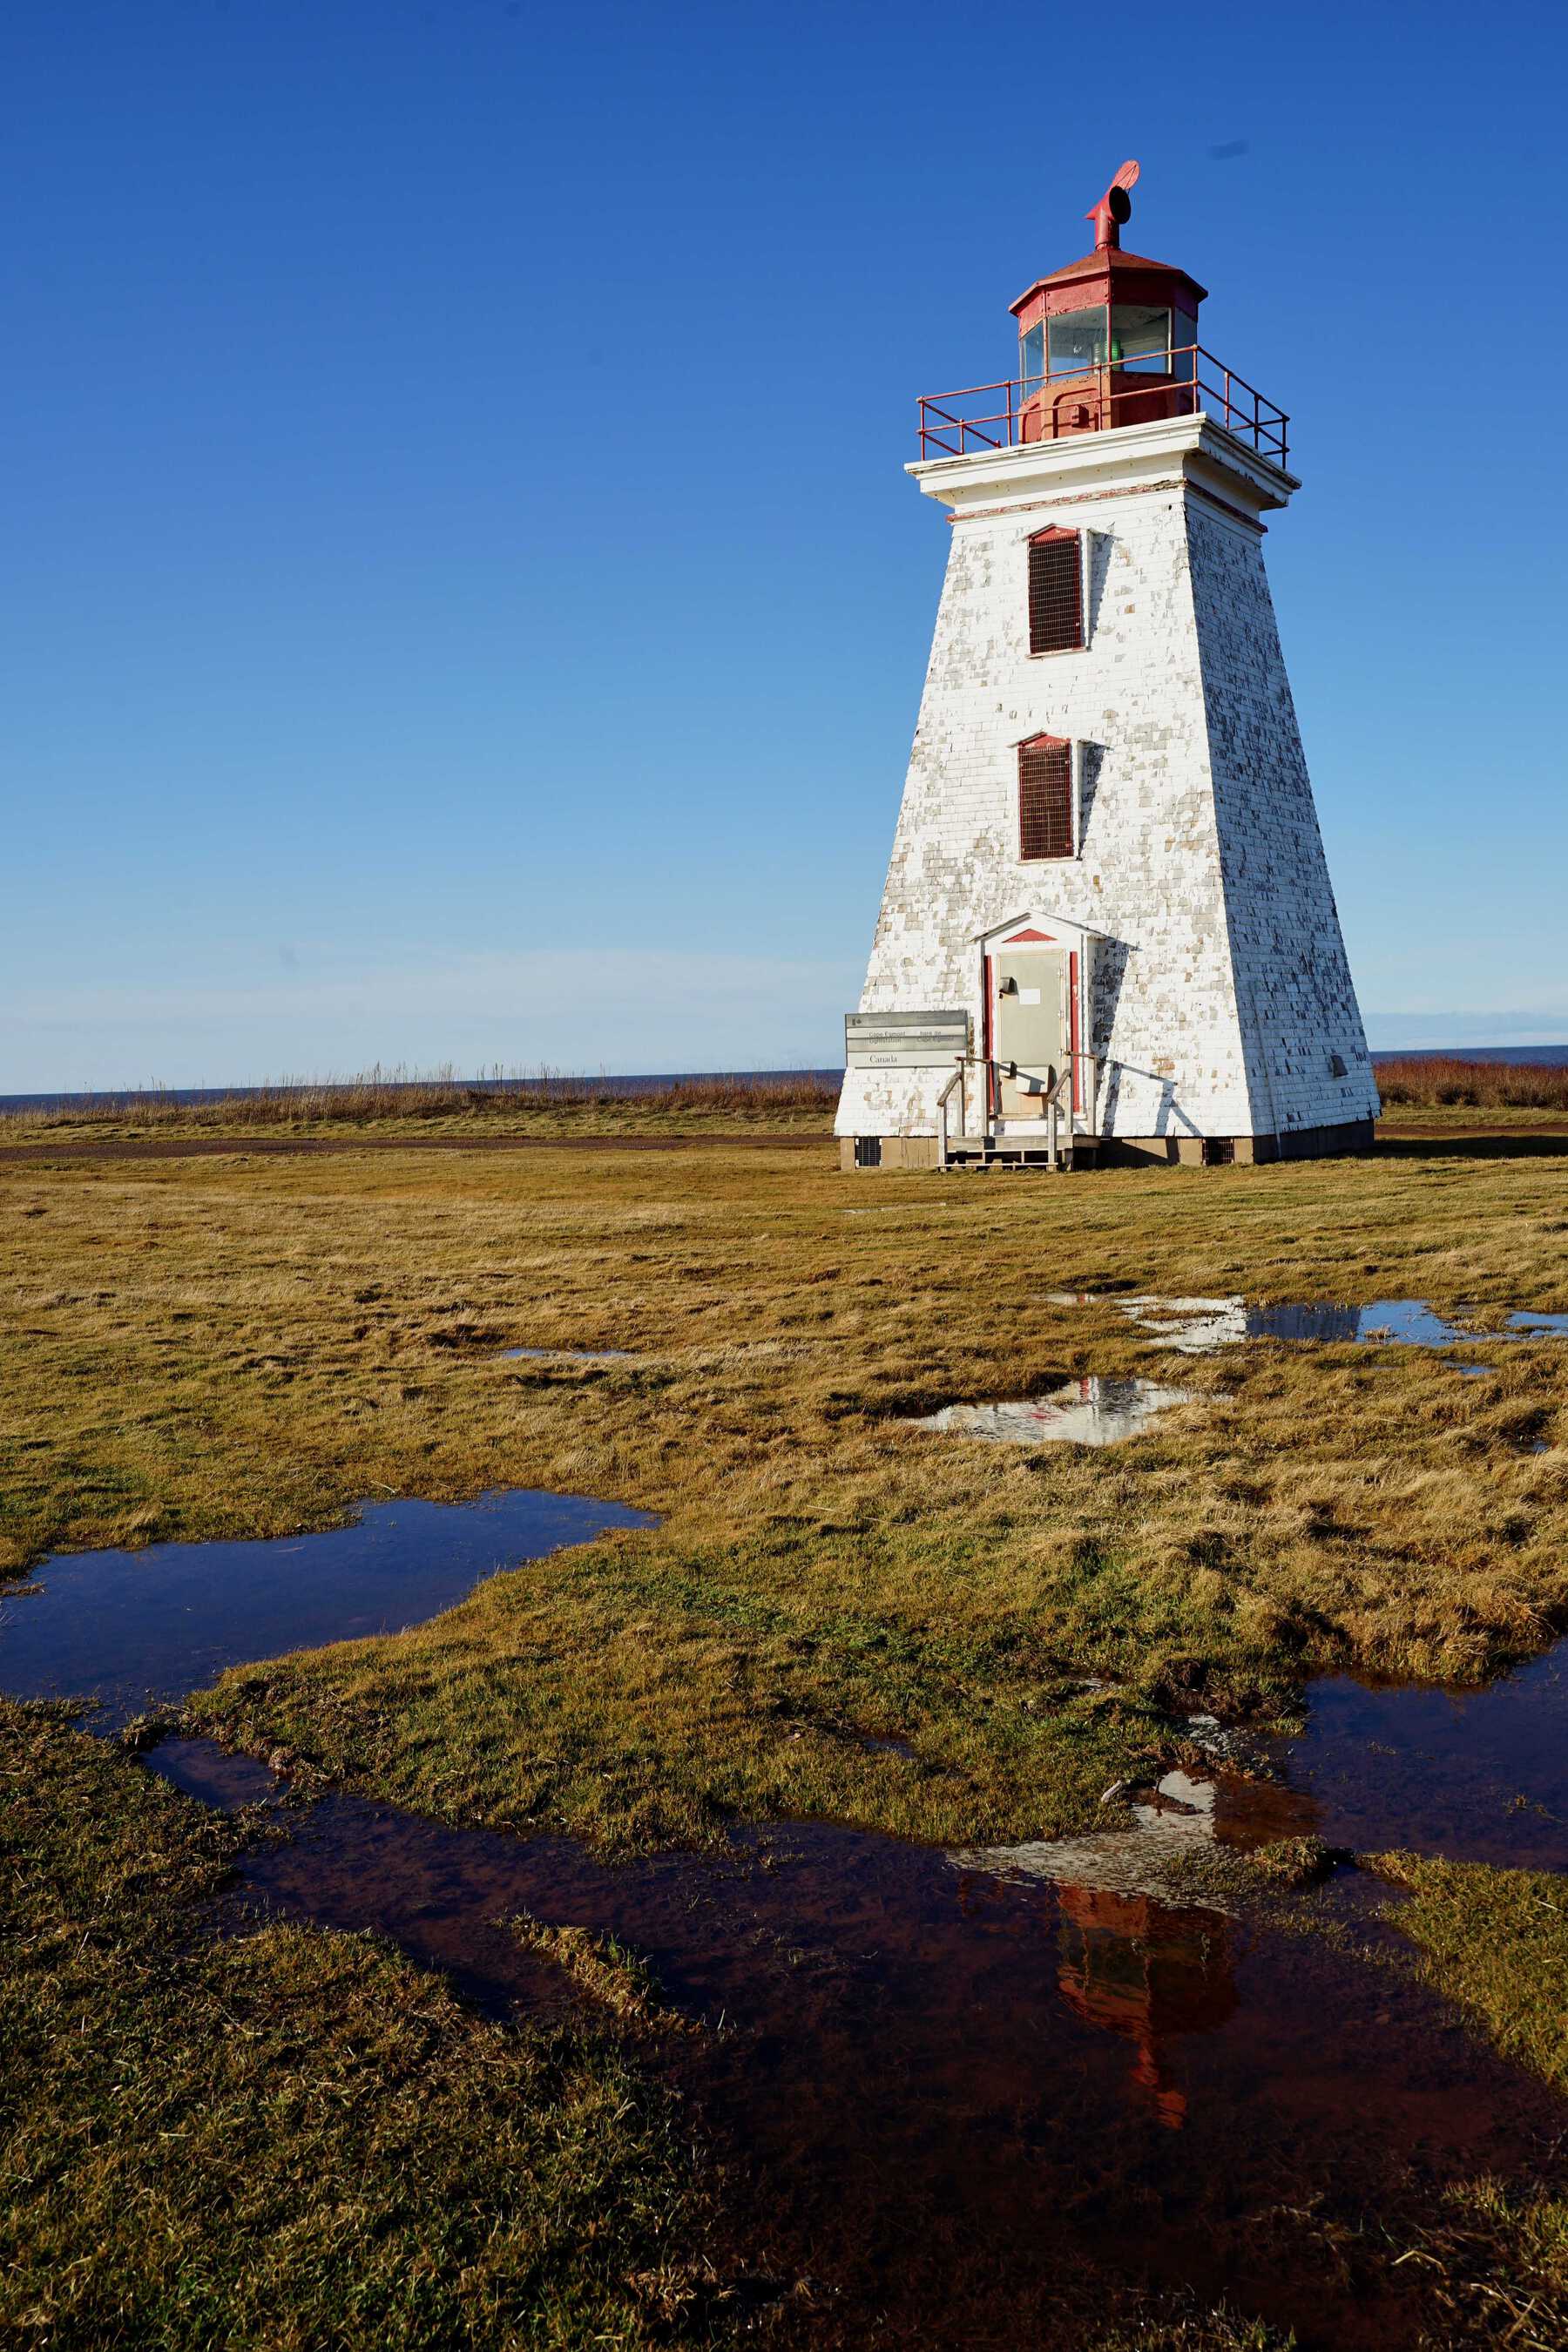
(1037,928)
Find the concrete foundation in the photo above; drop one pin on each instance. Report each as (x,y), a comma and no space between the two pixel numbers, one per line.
(898,1153)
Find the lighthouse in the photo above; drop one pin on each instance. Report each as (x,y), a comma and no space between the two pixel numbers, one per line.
(1108,931)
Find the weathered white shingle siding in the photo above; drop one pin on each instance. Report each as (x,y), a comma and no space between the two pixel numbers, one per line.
(1200,860)
(1292,973)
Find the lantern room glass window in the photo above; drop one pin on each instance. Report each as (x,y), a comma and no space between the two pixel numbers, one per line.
(1136,336)
(1141,338)
(1076,341)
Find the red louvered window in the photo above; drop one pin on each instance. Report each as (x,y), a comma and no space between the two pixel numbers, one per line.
(1044,798)
(1056,592)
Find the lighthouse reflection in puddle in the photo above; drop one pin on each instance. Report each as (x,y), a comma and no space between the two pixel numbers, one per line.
(1134,1958)
(1135,1967)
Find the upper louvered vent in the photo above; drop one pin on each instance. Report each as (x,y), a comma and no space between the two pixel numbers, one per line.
(1044,798)
(1055,600)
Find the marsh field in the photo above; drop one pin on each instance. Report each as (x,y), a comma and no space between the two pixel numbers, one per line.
(846,1650)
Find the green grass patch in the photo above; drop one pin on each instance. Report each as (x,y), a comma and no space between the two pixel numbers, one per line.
(294,2138)
(1495,1942)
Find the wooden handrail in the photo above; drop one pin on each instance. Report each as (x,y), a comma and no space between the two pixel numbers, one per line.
(1060,1086)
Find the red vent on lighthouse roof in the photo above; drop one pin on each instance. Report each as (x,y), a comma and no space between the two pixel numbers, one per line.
(1114,206)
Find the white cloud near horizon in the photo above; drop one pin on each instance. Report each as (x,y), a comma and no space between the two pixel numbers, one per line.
(1537,1026)
(581,1008)
(619,1009)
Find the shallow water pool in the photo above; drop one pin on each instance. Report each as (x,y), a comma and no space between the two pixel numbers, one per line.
(124,1630)
(1196,1326)
(956,2091)
(568,1355)
(1087,1412)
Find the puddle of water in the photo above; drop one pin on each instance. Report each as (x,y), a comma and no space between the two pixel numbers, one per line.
(959,2092)
(1396,1322)
(1196,1326)
(1088,1411)
(1478,1775)
(128,1628)
(569,1355)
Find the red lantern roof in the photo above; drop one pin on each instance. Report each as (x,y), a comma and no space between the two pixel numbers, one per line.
(1130,276)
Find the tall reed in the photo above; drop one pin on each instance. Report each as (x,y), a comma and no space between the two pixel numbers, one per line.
(1431,1081)
(401,1093)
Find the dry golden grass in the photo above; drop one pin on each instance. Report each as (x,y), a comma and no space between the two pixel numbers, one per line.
(1427,1080)
(437,1102)
(546,1101)
(247,1346)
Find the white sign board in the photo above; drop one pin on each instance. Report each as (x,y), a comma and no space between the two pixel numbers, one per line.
(904,1041)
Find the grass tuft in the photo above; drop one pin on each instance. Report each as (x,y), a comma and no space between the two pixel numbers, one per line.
(601,1966)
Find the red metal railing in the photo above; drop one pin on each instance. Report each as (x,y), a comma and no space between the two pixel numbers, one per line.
(1097,399)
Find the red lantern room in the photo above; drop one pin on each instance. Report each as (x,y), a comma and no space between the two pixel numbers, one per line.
(1111,339)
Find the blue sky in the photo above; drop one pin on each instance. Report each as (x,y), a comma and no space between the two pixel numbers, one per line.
(463,599)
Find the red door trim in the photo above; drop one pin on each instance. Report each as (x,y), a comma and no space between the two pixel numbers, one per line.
(1072,1025)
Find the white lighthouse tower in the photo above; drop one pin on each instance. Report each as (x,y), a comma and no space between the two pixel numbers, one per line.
(1108,929)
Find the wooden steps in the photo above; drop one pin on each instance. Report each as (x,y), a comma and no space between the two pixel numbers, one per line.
(1021,1153)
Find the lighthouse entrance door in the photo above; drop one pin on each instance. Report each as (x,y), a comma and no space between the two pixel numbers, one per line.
(1030,1027)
